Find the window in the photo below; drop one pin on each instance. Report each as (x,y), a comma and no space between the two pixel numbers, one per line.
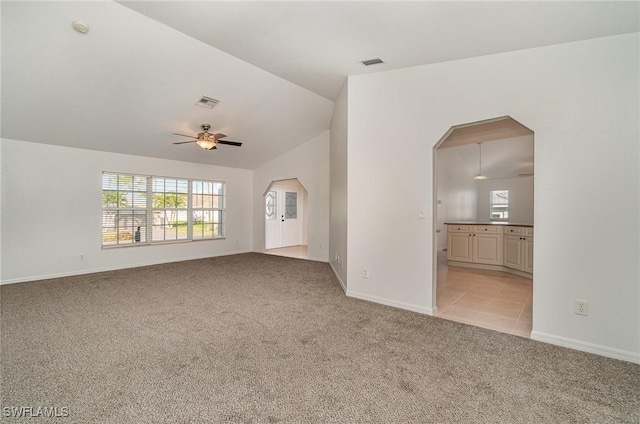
(139,209)
(270,205)
(499,207)
(207,209)
(291,205)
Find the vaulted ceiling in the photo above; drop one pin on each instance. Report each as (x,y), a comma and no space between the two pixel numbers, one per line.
(276,67)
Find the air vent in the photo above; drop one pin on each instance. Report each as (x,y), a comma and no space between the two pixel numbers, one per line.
(372,62)
(207,102)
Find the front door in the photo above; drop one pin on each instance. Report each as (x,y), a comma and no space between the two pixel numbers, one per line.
(283,217)
(289,218)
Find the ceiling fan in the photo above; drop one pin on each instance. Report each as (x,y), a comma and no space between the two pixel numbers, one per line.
(206,140)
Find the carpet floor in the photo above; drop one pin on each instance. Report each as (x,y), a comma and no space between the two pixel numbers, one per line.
(256,338)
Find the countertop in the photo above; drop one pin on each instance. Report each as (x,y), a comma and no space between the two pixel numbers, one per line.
(503,223)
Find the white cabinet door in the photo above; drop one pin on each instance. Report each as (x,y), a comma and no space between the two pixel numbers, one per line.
(513,252)
(487,248)
(527,266)
(518,252)
(459,247)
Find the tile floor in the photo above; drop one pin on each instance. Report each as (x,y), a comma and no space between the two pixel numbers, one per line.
(300,252)
(496,300)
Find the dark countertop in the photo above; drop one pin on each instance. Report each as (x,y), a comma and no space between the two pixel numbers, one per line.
(502,223)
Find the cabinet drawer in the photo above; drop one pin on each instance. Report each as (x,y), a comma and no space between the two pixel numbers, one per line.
(489,229)
(528,231)
(516,231)
(459,228)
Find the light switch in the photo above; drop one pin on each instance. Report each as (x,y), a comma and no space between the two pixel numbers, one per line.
(422,213)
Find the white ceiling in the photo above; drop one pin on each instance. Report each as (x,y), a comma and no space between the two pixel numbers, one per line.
(133,80)
(506,151)
(480,132)
(317,44)
(504,158)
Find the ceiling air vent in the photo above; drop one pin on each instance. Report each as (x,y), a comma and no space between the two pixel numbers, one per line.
(372,62)
(207,102)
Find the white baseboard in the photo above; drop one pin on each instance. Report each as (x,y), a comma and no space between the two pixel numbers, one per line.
(111,268)
(312,258)
(394,303)
(607,351)
(342,284)
(308,258)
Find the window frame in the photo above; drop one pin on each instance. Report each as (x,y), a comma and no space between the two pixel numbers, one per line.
(505,212)
(147,235)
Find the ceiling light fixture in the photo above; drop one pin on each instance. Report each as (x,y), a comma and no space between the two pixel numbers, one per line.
(206,143)
(480,175)
(205,139)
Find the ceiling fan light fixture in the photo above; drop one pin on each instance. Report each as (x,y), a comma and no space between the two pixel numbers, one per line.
(206,143)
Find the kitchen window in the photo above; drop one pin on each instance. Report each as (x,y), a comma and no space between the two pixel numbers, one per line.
(499,205)
(142,209)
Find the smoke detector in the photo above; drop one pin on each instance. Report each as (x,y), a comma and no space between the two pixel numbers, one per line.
(80,27)
(207,102)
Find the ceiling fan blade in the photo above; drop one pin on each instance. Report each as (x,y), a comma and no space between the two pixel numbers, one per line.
(184,135)
(230,143)
(219,136)
(185,142)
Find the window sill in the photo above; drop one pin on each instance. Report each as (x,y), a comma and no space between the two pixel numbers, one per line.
(158,243)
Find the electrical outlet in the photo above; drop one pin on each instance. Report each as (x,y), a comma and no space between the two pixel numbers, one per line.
(82,257)
(365,272)
(581,307)
(320,247)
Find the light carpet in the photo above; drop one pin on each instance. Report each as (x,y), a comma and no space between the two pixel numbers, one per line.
(256,338)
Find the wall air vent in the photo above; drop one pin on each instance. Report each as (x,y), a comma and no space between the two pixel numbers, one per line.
(372,62)
(207,102)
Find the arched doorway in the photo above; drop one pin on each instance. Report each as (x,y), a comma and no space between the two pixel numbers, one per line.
(285,203)
(483,225)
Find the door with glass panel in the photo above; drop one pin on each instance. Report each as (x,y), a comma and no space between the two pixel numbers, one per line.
(283,217)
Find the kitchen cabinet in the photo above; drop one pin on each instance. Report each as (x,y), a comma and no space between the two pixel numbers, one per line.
(487,248)
(500,247)
(518,249)
(480,244)
(459,243)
